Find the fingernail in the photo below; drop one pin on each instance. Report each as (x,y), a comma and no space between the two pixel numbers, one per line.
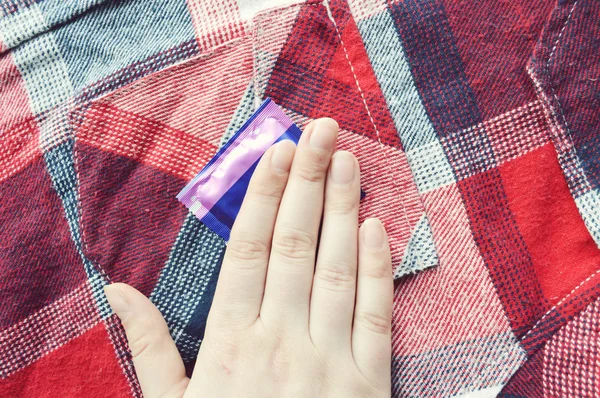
(342,168)
(281,160)
(117,301)
(324,134)
(373,234)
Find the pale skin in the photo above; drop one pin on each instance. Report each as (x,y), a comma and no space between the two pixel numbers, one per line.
(286,321)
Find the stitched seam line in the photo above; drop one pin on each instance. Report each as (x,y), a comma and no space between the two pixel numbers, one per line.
(560,35)
(256,38)
(169,70)
(259,19)
(84,246)
(381,145)
(556,122)
(558,103)
(560,303)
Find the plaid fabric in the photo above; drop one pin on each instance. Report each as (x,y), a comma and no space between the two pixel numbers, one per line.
(567,364)
(475,124)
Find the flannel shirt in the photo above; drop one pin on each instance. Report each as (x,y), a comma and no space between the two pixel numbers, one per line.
(476,125)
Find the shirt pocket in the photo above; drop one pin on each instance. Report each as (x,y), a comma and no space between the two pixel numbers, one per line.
(136,147)
(565,69)
(115,106)
(310,59)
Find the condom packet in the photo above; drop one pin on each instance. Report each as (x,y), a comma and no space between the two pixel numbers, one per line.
(215,195)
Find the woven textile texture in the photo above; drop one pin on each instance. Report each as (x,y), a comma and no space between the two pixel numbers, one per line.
(476,125)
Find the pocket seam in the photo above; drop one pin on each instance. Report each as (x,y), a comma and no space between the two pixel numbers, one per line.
(392,174)
(78,115)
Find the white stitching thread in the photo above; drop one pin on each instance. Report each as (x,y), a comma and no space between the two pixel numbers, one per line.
(559,35)
(381,145)
(560,303)
(555,117)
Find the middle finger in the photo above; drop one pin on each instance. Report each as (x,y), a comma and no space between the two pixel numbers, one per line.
(292,260)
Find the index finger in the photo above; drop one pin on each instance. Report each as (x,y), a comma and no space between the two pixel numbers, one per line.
(239,291)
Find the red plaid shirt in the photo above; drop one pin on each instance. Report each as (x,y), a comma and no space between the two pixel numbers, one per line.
(476,124)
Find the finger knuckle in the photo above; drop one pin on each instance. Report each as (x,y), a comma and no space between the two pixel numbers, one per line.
(338,276)
(374,322)
(245,253)
(265,193)
(378,270)
(139,345)
(144,343)
(343,205)
(313,171)
(294,244)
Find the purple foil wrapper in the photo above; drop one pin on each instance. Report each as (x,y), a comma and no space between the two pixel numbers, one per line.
(228,169)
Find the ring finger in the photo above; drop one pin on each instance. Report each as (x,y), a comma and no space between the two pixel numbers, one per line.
(334,284)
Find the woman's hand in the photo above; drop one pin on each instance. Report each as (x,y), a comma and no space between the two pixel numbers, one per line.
(296,313)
